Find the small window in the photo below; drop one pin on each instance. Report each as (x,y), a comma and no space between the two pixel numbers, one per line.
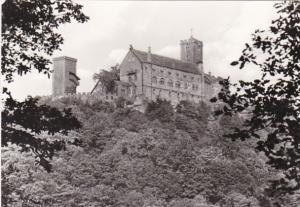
(192,78)
(169,73)
(195,87)
(177,84)
(161,71)
(162,81)
(170,83)
(184,76)
(135,77)
(186,85)
(129,78)
(154,80)
(153,70)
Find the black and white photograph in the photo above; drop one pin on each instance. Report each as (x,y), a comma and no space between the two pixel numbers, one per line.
(150,103)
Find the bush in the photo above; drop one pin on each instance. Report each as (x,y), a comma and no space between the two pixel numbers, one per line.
(161,110)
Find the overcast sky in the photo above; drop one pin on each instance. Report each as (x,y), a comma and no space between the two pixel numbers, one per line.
(224,27)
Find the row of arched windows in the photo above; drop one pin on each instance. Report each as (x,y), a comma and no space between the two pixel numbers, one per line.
(171,84)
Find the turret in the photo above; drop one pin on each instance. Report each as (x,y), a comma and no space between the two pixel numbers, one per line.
(64,78)
(192,51)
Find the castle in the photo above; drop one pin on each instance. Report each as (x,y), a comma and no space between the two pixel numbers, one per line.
(145,76)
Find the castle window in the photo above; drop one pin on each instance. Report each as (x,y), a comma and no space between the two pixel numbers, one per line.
(186,85)
(154,80)
(135,77)
(192,78)
(169,73)
(129,78)
(123,92)
(161,71)
(153,70)
(184,76)
(162,81)
(195,87)
(177,84)
(177,74)
(170,83)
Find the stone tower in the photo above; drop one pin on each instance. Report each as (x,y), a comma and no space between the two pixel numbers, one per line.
(64,78)
(191,50)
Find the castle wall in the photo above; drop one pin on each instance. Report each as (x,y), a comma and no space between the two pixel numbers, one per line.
(58,78)
(163,82)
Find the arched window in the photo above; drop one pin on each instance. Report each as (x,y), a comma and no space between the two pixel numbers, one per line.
(177,84)
(162,81)
(170,83)
(154,80)
(186,85)
(195,87)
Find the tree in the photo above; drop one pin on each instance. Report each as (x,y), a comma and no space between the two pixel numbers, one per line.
(29,33)
(273,100)
(108,78)
(160,109)
(29,38)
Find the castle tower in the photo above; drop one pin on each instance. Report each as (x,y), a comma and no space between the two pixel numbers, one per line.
(64,78)
(192,51)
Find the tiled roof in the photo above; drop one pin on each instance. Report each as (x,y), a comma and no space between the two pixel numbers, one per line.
(167,62)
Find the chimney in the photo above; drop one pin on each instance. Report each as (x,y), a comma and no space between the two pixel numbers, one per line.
(130,47)
(149,54)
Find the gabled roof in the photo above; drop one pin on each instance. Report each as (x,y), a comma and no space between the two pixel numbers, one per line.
(167,62)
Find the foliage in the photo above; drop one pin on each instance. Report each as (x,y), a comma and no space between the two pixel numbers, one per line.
(21,121)
(108,78)
(29,37)
(160,109)
(272,100)
(192,118)
(28,33)
(199,112)
(127,158)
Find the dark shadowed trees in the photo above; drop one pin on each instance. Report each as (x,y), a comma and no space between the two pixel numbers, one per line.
(273,100)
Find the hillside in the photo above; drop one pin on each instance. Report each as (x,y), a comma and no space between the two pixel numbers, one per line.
(127,158)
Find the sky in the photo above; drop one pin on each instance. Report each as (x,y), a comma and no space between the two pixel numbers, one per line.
(223,26)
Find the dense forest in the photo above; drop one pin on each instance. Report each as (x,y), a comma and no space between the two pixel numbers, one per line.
(164,157)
